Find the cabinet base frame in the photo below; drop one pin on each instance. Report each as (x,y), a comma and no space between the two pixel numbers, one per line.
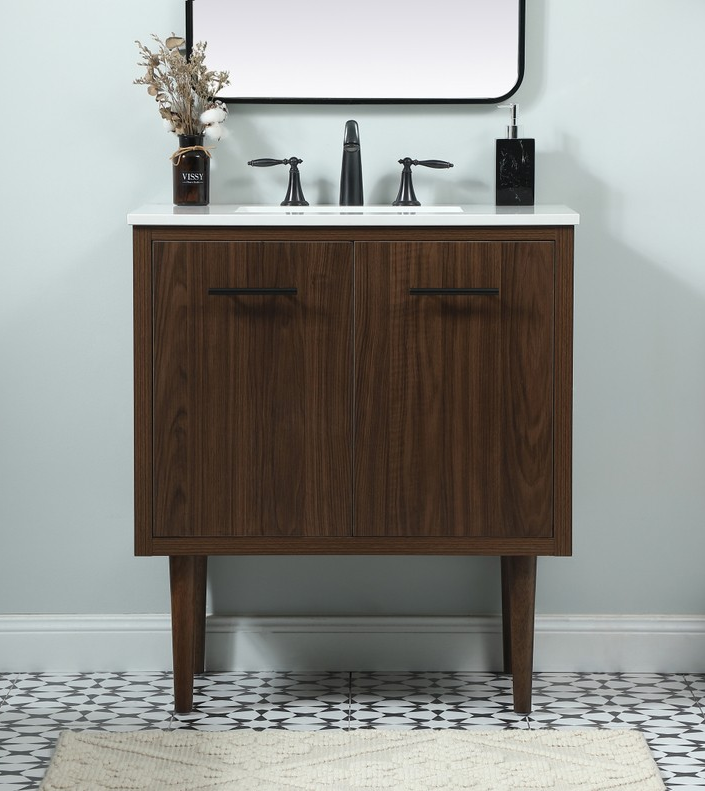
(188,551)
(188,573)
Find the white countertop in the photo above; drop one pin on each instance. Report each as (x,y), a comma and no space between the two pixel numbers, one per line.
(252,215)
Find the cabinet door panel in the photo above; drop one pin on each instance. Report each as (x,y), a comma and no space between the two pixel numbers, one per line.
(453,415)
(252,391)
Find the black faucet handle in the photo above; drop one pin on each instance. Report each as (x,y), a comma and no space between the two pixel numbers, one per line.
(427,163)
(406,195)
(266,162)
(433,163)
(294,193)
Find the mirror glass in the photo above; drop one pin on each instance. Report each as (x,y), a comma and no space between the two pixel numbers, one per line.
(372,51)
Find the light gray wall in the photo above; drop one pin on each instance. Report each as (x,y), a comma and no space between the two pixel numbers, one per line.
(613,96)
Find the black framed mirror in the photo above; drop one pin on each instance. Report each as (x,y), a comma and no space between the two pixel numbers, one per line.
(370,51)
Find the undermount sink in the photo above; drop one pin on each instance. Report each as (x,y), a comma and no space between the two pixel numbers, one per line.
(326,209)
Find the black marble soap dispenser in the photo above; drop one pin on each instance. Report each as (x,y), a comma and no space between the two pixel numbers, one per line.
(515,167)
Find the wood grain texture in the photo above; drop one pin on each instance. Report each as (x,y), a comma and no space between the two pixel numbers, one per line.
(563,393)
(252,394)
(187,584)
(142,346)
(352,545)
(499,233)
(518,607)
(453,410)
(510,531)
(526,435)
(352,417)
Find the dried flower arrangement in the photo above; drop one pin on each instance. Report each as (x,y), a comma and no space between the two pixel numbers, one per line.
(183,88)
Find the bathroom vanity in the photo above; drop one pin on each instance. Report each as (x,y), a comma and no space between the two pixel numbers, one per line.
(354,380)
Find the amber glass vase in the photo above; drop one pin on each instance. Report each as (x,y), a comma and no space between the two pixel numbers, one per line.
(191,165)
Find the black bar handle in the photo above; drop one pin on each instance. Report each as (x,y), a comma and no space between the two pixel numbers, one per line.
(434,163)
(234,292)
(473,292)
(267,162)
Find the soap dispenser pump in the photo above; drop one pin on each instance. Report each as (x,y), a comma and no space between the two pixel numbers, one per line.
(514,178)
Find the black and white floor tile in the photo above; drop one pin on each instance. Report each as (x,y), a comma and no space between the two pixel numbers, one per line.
(34,707)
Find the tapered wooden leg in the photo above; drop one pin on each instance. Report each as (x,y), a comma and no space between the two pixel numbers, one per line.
(187,574)
(518,606)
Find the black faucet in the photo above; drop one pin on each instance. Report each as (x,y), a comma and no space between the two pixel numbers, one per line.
(294,193)
(406,195)
(351,171)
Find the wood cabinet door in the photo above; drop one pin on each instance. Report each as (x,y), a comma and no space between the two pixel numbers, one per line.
(454,389)
(252,388)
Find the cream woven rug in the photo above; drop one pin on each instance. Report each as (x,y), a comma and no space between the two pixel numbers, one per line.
(278,760)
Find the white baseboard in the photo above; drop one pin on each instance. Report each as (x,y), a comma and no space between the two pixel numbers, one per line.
(611,643)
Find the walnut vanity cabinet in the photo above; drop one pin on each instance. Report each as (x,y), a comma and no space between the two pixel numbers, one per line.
(335,390)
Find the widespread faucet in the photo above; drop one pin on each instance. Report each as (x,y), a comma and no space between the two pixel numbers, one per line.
(406,195)
(294,193)
(351,171)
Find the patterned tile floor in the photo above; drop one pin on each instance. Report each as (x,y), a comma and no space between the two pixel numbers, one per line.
(34,707)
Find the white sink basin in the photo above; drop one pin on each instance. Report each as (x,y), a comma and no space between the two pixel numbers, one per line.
(348,210)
